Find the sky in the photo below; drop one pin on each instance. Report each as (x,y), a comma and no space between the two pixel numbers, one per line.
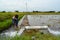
(36,5)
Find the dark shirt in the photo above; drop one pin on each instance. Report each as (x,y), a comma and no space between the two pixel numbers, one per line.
(15,21)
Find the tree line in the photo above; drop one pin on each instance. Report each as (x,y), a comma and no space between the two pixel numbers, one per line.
(35,11)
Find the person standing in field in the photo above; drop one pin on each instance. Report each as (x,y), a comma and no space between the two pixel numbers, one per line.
(15,21)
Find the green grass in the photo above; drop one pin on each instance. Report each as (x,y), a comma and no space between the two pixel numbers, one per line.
(39,36)
(6,20)
(5,24)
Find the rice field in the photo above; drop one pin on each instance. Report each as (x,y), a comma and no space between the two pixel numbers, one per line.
(6,22)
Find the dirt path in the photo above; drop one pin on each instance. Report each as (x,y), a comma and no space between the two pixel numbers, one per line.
(25,22)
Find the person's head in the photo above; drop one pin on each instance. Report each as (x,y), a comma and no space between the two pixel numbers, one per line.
(16,16)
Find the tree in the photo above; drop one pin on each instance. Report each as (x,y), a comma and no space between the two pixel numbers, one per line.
(58,11)
(3,11)
(51,11)
(16,11)
(35,11)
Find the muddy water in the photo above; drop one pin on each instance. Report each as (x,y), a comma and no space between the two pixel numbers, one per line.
(11,32)
(53,21)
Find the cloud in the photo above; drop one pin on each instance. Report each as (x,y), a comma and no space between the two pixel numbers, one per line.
(41,5)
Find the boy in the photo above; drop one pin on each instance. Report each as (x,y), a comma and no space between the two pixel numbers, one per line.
(15,21)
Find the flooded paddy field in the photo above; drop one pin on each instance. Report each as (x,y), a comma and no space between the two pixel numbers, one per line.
(52,21)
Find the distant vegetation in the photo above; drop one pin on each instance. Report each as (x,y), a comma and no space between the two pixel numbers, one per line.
(58,11)
(50,12)
(45,11)
(16,11)
(36,11)
(3,11)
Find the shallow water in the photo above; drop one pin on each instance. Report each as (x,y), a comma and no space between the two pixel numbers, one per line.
(11,32)
(53,21)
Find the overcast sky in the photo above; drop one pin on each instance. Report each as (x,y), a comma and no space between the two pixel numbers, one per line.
(20,5)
